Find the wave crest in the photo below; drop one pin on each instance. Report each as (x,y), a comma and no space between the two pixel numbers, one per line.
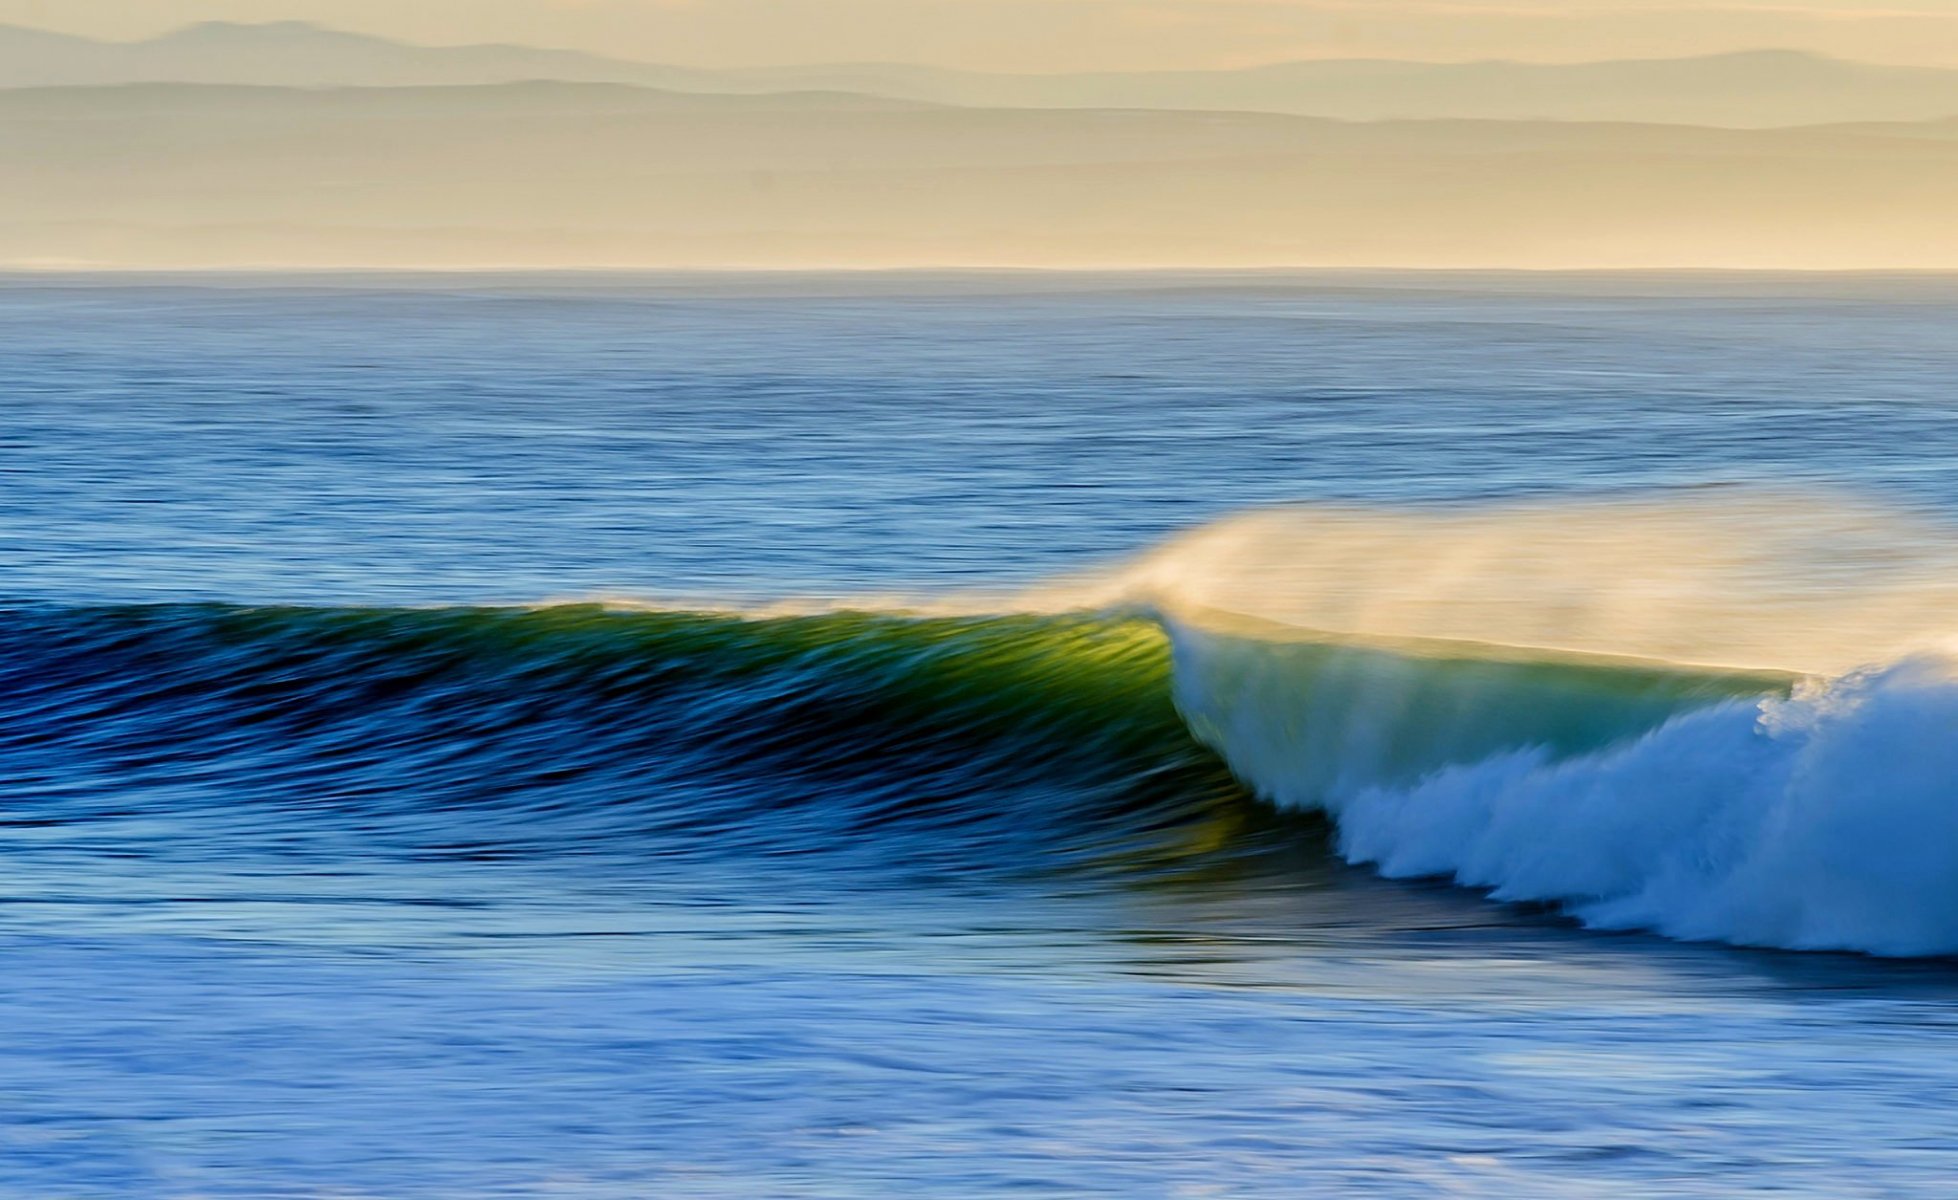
(1757,806)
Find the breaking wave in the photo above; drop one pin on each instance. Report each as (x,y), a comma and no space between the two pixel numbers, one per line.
(1631,711)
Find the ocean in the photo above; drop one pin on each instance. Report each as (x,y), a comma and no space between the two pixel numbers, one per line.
(850,735)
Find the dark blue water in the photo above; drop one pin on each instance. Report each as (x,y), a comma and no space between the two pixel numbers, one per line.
(393,804)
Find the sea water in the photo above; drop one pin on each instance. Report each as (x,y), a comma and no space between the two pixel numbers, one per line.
(1053,735)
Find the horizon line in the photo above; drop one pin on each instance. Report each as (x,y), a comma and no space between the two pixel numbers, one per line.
(1762,51)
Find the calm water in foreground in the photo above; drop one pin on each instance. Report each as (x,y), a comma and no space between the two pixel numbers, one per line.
(393,805)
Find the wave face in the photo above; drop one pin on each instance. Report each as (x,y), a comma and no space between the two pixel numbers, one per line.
(955,744)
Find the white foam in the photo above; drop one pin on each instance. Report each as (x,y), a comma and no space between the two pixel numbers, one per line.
(1825,821)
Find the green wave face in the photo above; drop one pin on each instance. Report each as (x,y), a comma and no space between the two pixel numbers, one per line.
(968,744)
(1309,721)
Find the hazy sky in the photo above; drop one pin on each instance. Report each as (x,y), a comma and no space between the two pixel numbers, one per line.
(1041,35)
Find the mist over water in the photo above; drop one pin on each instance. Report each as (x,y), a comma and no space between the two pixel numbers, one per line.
(809,735)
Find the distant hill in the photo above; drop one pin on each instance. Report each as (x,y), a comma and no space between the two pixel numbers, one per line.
(552,174)
(1756,89)
(1748,90)
(300,54)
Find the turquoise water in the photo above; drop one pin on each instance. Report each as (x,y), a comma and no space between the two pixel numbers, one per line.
(459,736)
